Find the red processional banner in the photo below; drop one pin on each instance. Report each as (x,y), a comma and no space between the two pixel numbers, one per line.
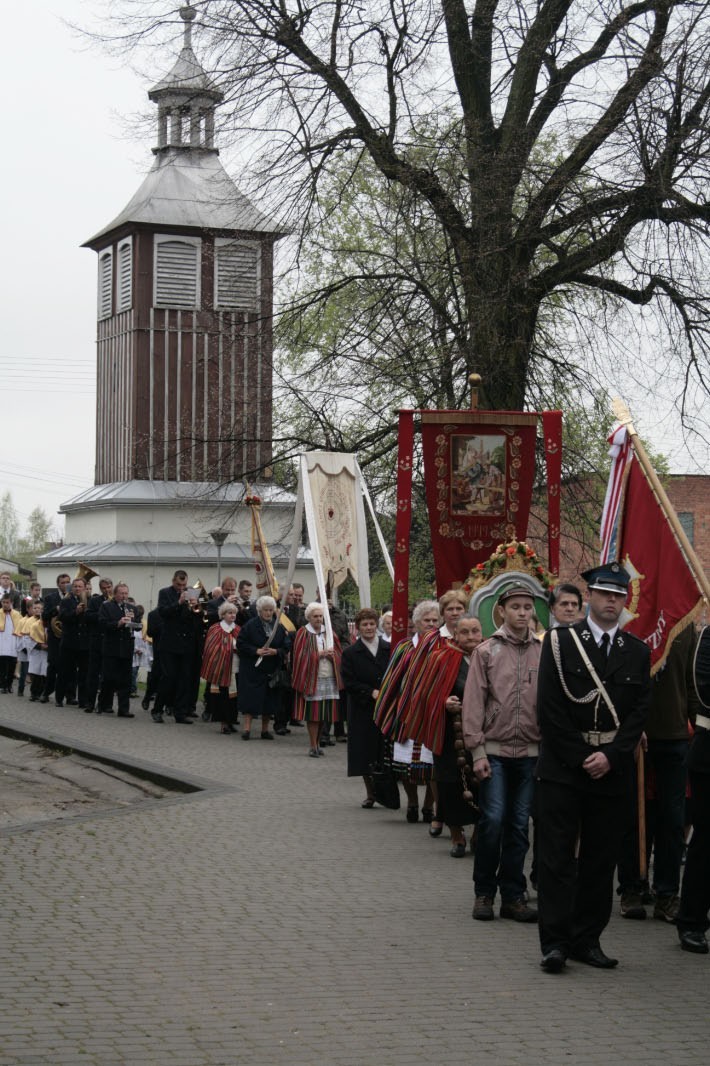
(479,469)
(663,594)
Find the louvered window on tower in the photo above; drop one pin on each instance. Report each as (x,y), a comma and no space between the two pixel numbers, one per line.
(105,301)
(237,274)
(125,275)
(177,271)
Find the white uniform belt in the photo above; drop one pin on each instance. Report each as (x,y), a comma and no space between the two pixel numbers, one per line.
(595,738)
(703,721)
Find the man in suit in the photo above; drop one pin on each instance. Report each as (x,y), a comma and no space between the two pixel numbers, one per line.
(50,612)
(227,593)
(7,588)
(179,648)
(116,625)
(590,732)
(93,674)
(692,922)
(74,647)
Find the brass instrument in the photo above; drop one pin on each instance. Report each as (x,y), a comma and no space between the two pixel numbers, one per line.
(86,573)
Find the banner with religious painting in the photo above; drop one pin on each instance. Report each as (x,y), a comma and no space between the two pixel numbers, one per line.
(479,469)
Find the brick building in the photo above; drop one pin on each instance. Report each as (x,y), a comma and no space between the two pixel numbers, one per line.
(579,547)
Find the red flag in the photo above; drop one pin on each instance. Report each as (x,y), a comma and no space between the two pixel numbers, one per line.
(663,594)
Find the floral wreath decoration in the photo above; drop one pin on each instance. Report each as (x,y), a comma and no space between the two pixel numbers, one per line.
(516,555)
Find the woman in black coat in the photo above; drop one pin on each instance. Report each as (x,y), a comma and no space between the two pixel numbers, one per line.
(258,664)
(363,667)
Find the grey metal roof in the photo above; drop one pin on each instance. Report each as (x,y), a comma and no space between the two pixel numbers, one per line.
(168,493)
(188,187)
(172,553)
(187,75)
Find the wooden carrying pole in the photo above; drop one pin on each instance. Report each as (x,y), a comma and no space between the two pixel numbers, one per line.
(621,412)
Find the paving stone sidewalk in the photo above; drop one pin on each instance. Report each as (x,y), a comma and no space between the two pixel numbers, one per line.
(270,920)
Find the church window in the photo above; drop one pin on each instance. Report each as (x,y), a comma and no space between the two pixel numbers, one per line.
(105,296)
(125,275)
(177,271)
(237,274)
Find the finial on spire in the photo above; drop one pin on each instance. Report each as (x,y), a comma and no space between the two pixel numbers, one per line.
(188,14)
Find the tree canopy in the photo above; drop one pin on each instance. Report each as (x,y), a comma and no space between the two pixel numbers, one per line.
(557,148)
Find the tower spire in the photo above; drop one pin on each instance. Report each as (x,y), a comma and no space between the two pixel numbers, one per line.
(186,99)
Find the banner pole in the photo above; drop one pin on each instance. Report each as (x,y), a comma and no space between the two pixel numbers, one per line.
(622,413)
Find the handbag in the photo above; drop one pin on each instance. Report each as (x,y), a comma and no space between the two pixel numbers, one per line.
(384,787)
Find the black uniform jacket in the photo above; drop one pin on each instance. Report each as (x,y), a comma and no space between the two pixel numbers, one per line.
(118,640)
(182,626)
(627,679)
(75,628)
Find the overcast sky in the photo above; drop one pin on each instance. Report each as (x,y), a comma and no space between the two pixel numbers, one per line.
(72,163)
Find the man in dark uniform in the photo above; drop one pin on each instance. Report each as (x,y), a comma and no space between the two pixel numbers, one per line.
(590,732)
(93,674)
(179,648)
(50,613)
(692,921)
(74,646)
(116,621)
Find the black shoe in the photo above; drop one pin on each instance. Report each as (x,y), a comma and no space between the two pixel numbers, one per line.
(72,703)
(299,725)
(145,703)
(266,735)
(158,718)
(88,710)
(458,851)
(44,699)
(125,714)
(20,693)
(412,814)
(58,703)
(594,956)
(553,961)
(693,940)
(427,814)
(183,721)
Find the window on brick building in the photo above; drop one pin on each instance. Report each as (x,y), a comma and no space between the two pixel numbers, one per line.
(687,521)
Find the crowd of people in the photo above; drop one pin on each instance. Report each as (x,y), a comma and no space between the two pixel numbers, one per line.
(525,728)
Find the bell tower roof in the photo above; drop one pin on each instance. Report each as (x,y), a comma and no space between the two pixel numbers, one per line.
(187,77)
(187,185)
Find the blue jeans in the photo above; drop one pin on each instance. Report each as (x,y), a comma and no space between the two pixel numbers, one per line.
(505,801)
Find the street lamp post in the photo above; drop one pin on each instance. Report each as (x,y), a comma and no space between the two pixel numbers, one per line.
(219,536)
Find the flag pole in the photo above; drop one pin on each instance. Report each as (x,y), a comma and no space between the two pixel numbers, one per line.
(622,413)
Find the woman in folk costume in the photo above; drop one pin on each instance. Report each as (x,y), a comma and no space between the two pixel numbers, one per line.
(218,667)
(412,762)
(443,705)
(263,645)
(315,677)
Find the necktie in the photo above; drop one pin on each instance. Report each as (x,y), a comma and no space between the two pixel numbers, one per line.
(604,645)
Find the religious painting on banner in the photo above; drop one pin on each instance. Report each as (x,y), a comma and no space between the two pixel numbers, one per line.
(479,469)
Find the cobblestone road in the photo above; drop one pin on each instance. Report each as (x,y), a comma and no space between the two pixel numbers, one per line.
(270,920)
